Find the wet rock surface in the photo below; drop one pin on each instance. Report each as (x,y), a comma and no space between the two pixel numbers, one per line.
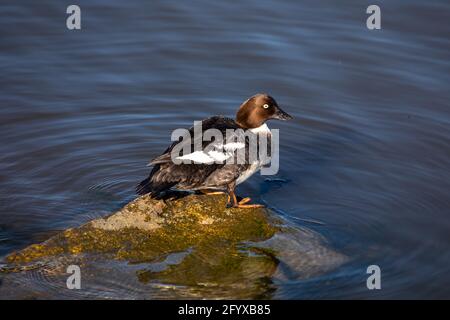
(193,245)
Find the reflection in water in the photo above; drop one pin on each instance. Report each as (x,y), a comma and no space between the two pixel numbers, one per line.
(367,155)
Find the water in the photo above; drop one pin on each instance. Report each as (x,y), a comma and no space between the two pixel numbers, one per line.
(367,156)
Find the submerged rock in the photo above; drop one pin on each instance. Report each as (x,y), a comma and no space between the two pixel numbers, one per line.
(193,243)
(146,229)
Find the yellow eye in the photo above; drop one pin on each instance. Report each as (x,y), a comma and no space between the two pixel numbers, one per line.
(265,106)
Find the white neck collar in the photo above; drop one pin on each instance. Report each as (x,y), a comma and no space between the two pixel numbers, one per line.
(261,129)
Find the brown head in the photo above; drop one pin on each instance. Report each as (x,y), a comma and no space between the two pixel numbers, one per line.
(257,110)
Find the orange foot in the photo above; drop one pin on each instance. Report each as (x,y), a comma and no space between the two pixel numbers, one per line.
(211,192)
(243,204)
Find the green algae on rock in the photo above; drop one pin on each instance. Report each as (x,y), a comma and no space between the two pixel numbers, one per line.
(187,247)
(147,229)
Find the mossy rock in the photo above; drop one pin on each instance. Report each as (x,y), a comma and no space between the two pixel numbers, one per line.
(147,230)
(191,244)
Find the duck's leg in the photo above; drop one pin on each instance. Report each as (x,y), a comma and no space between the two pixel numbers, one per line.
(232,201)
(239,204)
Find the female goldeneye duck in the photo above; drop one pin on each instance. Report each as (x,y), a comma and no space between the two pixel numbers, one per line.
(205,174)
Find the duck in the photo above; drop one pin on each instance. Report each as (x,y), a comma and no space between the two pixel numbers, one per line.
(209,172)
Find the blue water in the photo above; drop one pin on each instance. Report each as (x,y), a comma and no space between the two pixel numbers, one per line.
(367,156)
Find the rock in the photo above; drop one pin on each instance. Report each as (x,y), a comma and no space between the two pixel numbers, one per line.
(146,229)
(193,243)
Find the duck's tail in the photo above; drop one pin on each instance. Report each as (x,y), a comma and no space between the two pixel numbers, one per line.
(144,187)
(156,190)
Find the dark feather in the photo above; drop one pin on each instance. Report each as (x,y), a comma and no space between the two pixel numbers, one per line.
(165,174)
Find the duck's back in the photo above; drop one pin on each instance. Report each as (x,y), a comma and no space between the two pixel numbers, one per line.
(197,175)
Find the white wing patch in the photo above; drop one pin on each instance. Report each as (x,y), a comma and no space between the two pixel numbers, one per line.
(219,156)
(197,157)
(213,156)
(222,152)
